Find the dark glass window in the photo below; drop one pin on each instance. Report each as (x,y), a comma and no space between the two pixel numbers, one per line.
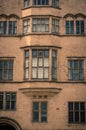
(69,27)
(76,70)
(6,70)
(1,100)
(3,27)
(12,27)
(39,111)
(40,2)
(80,27)
(54,64)
(55,3)
(76,111)
(10,101)
(7,101)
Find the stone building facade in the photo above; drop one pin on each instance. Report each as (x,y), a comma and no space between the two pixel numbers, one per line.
(42,64)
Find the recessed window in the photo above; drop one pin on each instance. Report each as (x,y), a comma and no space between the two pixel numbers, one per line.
(40,25)
(69,27)
(55,3)
(6,70)
(7,101)
(55,26)
(26,3)
(37,64)
(3,27)
(40,2)
(76,69)
(12,27)
(77,112)
(26,24)
(40,112)
(26,64)
(80,27)
(54,64)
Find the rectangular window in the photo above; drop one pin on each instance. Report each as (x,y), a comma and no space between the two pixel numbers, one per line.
(40,112)
(1,100)
(40,64)
(76,69)
(55,3)
(26,3)
(55,26)
(54,64)
(26,64)
(40,2)
(12,27)
(40,24)
(26,24)
(80,27)
(77,112)
(7,101)
(3,27)
(6,70)
(69,27)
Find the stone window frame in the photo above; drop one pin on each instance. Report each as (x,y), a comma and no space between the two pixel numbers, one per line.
(10,19)
(46,3)
(75,18)
(71,70)
(41,112)
(7,69)
(8,103)
(77,112)
(41,26)
(26,26)
(28,67)
(42,2)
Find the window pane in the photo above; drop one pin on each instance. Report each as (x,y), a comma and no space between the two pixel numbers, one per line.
(34,53)
(76,117)
(75,75)
(46,62)
(34,73)
(34,62)
(1,105)
(13,105)
(82,106)
(81,74)
(71,117)
(40,62)
(40,73)
(44,106)
(46,73)
(76,64)
(26,54)
(46,53)
(35,117)
(76,106)
(8,105)
(35,106)
(43,117)
(26,73)
(13,96)
(26,62)
(82,115)
(10,77)
(70,106)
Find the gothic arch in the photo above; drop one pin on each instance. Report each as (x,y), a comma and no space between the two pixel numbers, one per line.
(10,122)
